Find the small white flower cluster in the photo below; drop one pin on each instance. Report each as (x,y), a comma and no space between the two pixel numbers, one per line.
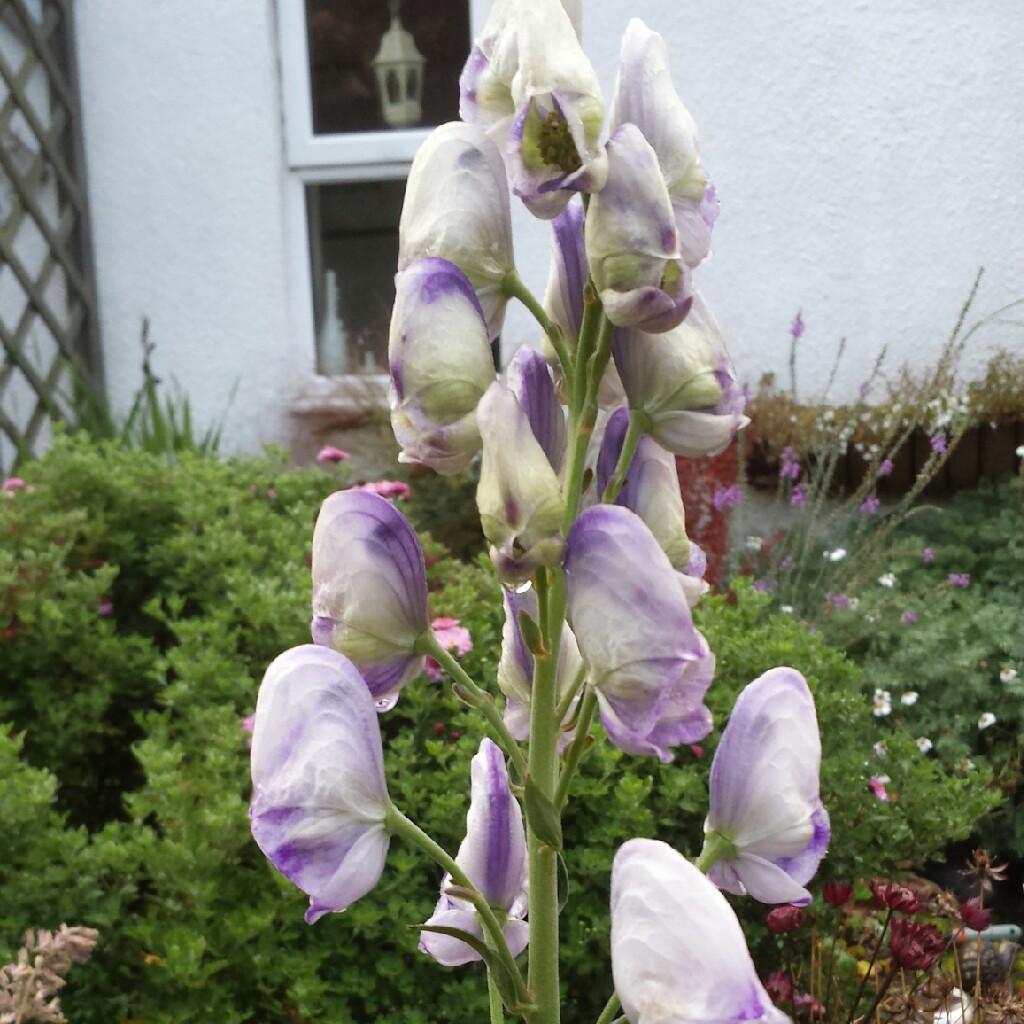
(923,744)
(887,580)
(883,703)
(835,556)
(946,410)
(909,698)
(986,720)
(1007,674)
(880,748)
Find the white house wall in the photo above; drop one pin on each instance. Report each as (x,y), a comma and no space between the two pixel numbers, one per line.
(868,157)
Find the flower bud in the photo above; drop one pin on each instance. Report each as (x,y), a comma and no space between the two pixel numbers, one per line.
(319,799)
(519,497)
(915,946)
(632,243)
(666,916)
(836,894)
(684,381)
(440,364)
(766,822)
(529,378)
(457,207)
(784,919)
(651,677)
(493,856)
(974,915)
(369,588)
(894,897)
(645,97)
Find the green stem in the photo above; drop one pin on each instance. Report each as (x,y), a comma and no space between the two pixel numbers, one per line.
(598,363)
(543,769)
(716,848)
(572,757)
(494,1000)
(871,964)
(592,312)
(570,695)
(611,1008)
(398,824)
(639,424)
(481,699)
(512,285)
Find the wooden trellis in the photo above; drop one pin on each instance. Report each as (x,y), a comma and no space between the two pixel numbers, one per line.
(49,343)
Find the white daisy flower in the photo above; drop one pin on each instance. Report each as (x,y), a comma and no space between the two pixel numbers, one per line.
(909,698)
(837,555)
(965,764)
(854,602)
(1007,674)
(786,609)
(880,749)
(923,744)
(755,544)
(887,580)
(986,720)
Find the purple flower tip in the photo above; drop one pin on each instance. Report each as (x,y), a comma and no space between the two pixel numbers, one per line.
(928,555)
(729,498)
(885,467)
(797,327)
(908,618)
(870,505)
(959,579)
(106,608)
(938,443)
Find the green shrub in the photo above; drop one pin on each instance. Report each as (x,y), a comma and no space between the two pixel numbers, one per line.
(195,925)
(959,649)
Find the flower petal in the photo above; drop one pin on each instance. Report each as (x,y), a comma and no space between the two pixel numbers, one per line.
(666,915)
(319,796)
(369,588)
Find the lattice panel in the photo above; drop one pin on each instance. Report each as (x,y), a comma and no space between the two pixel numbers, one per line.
(49,355)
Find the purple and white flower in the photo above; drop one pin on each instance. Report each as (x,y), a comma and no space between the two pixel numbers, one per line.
(369,588)
(440,363)
(457,208)
(515,667)
(319,799)
(648,665)
(632,243)
(666,916)
(518,496)
(684,381)
(645,97)
(493,856)
(767,829)
(529,378)
(651,490)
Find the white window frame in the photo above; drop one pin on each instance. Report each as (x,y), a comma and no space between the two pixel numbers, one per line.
(323,159)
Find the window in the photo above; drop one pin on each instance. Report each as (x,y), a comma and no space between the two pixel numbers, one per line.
(363,83)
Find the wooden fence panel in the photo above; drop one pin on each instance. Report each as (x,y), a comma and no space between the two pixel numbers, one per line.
(50,361)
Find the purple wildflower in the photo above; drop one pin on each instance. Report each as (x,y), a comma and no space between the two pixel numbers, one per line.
(908,618)
(928,554)
(790,464)
(959,579)
(938,443)
(729,498)
(864,390)
(885,467)
(798,499)
(870,505)
(841,601)
(106,608)
(764,586)
(797,327)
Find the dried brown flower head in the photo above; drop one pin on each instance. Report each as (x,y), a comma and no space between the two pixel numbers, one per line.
(982,867)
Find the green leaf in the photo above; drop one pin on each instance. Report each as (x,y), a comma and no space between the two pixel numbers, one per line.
(543,817)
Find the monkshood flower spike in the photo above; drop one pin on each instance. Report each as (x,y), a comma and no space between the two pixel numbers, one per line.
(648,665)
(370,589)
(678,953)
(319,799)
(767,829)
(493,858)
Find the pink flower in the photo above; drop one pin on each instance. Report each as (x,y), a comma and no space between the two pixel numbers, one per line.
(938,443)
(870,505)
(247,726)
(928,555)
(878,788)
(15,483)
(385,488)
(452,636)
(331,454)
(785,918)
(908,618)
(959,579)
(885,467)
(106,608)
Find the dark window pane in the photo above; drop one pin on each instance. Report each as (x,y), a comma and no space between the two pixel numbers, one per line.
(346,35)
(353,239)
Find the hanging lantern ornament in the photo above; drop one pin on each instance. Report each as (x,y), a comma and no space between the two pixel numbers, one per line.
(399,69)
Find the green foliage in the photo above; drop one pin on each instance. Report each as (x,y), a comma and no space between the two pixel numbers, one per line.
(962,653)
(208,576)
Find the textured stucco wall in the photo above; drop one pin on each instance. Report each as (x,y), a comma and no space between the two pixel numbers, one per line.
(868,155)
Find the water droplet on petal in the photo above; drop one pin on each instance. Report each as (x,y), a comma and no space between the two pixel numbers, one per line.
(523,587)
(385,703)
